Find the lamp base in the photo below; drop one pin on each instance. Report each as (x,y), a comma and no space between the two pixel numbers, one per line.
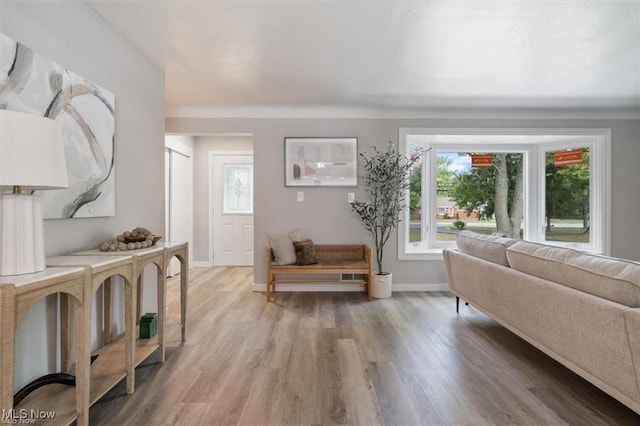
(21,234)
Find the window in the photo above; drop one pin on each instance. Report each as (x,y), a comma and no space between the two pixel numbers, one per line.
(543,186)
(566,187)
(238,192)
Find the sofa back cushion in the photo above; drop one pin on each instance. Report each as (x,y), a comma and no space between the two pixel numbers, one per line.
(613,279)
(491,248)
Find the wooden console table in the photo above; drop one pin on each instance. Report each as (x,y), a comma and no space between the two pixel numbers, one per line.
(77,277)
(18,294)
(141,258)
(161,252)
(101,268)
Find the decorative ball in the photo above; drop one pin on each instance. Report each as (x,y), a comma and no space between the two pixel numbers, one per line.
(120,242)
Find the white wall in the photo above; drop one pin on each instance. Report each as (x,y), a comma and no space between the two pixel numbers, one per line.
(204,145)
(325,215)
(73,35)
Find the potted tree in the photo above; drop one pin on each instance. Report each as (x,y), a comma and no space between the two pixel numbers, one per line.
(386,181)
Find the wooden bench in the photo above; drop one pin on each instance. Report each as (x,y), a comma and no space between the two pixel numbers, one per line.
(332,259)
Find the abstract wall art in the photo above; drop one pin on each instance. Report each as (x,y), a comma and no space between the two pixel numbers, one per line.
(33,84)
(321,161)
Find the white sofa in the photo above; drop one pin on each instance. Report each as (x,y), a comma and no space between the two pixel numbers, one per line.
(583,310)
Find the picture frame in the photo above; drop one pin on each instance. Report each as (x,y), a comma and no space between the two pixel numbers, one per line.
(321,161)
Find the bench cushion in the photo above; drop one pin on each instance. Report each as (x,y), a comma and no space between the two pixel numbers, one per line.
(613,279)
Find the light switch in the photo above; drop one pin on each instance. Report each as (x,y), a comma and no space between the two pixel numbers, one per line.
(351,197)
(300,196)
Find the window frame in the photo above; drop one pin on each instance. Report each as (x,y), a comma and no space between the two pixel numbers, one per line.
(597,139)
(596,177)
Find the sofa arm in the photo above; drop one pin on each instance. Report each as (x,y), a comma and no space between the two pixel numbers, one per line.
(447,255)
(632,325)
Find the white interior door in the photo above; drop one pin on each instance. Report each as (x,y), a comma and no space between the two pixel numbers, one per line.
(180,201)
(232,214)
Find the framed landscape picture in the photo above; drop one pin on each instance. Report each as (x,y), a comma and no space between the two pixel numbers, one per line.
(321,161)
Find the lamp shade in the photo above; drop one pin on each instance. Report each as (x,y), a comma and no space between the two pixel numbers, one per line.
(31,152)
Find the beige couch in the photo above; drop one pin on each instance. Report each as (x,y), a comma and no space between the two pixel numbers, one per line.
(583,310)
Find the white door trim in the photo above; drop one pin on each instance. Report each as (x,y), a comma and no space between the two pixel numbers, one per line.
(212,155)
(178,147)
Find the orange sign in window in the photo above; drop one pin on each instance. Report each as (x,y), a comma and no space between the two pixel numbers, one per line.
(481,160)
(566,158)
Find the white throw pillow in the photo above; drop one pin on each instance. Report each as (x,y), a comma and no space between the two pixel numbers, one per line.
(282,247)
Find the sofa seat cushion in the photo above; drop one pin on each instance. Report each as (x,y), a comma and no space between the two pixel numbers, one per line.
(617,280)
(336,264)
(491,248)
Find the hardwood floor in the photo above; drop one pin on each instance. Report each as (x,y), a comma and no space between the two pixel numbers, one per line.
(336,358)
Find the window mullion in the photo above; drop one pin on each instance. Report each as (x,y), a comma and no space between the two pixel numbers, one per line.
(424,197)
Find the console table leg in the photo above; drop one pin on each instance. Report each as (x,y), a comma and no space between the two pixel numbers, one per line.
(140,289)
(184,277)
(130,335)
(162,303)
(7,340)
(82,318)
(107,333)
(66,337)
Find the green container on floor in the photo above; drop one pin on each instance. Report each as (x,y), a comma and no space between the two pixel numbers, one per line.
(148,326)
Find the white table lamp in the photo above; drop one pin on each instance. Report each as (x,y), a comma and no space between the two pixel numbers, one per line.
(31,157)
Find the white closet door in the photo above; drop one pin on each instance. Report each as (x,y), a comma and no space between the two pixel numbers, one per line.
(167,193)
(180,186)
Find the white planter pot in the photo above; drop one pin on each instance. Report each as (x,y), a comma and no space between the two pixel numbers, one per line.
(381,286)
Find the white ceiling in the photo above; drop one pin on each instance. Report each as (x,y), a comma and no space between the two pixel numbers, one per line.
(235,58)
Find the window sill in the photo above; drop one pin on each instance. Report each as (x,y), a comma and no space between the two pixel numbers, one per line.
(427,254)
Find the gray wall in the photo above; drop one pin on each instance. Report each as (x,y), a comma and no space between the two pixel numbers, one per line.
(71,34)
(204,145)
(326,217)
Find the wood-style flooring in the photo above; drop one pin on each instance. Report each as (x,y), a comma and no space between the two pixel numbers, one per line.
(336,358)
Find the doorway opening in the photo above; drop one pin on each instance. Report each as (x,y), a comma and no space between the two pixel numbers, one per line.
(209,197)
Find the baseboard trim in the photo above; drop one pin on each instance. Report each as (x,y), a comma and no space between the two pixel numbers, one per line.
(312,287)
(349,287)
(421,287)
(201,264)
